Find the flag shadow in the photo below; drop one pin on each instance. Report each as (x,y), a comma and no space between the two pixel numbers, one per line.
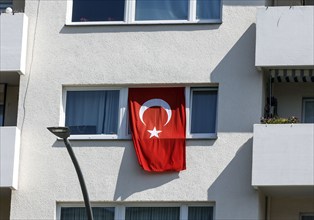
(133,179)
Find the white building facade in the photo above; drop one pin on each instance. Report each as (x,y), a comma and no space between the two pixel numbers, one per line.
(233,55)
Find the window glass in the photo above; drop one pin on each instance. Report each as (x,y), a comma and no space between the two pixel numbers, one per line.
(204,107)
(98,10)
(152,213)
(200,213)
(208,9)
(161,10)
(92,112)
(79,213)
(4,4)
(2,95)
(1,115)
(308,109)
(308,2)
(307,217)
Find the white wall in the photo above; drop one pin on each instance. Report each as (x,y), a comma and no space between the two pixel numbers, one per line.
(217,170)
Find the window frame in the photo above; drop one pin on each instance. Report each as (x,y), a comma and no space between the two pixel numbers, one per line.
(189,109)
(123,119)
(122,132)
(120,208)
(129,16)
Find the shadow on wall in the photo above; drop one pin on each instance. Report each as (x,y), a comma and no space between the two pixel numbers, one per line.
(231,188)
(240,86)
(138,180)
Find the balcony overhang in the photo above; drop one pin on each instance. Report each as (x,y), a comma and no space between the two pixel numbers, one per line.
(283,157)
(9,157)
(13,41)
(284,37)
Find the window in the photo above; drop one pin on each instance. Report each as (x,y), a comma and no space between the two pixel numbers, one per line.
(292,2)
(95,113)
(4,4)
(143,11)
(200,213)
(2,103)
(101,113)
(79,213)
(170,211)
(307,216)
(203,112)
(308,110)
(152,213)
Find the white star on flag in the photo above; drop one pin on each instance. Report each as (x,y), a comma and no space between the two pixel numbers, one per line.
(154,132)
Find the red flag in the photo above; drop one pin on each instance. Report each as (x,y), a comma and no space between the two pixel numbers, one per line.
(157,119)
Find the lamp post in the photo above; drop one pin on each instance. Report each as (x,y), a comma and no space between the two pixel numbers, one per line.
(64,133)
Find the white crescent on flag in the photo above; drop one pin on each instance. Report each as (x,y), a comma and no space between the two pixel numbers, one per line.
(152,103)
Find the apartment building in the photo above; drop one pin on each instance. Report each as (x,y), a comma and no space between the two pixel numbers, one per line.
(80,63)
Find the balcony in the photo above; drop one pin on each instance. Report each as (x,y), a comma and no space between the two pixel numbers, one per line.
(9,156)
(13,40)
(284,37)
(283,157)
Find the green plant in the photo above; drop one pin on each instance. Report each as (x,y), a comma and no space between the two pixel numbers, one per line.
(278,120)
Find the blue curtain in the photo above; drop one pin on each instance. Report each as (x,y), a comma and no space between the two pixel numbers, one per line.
(98,10)
(204,105)
(200,213)
(79,213)
(161,10)
(152,213)
(208,9)
(92,112)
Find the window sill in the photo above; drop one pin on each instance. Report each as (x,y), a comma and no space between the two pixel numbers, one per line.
(159,22)
(128,138)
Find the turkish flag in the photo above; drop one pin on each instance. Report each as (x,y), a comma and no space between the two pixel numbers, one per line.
(157,122)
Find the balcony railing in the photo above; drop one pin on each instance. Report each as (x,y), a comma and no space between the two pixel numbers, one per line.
(9,156)
(284,36)
(13,39)
(283,155)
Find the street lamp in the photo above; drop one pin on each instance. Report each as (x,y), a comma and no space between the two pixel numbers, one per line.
(64,133)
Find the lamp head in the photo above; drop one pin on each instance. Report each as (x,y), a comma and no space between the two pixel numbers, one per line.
(61,132)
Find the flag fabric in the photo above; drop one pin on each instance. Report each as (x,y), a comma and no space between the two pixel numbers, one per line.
(157,122)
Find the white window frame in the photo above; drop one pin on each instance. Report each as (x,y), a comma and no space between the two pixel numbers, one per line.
(120,208)
(123,120)
(122,132)
(129,16)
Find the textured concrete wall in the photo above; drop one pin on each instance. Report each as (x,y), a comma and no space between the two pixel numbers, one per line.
(217,170)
